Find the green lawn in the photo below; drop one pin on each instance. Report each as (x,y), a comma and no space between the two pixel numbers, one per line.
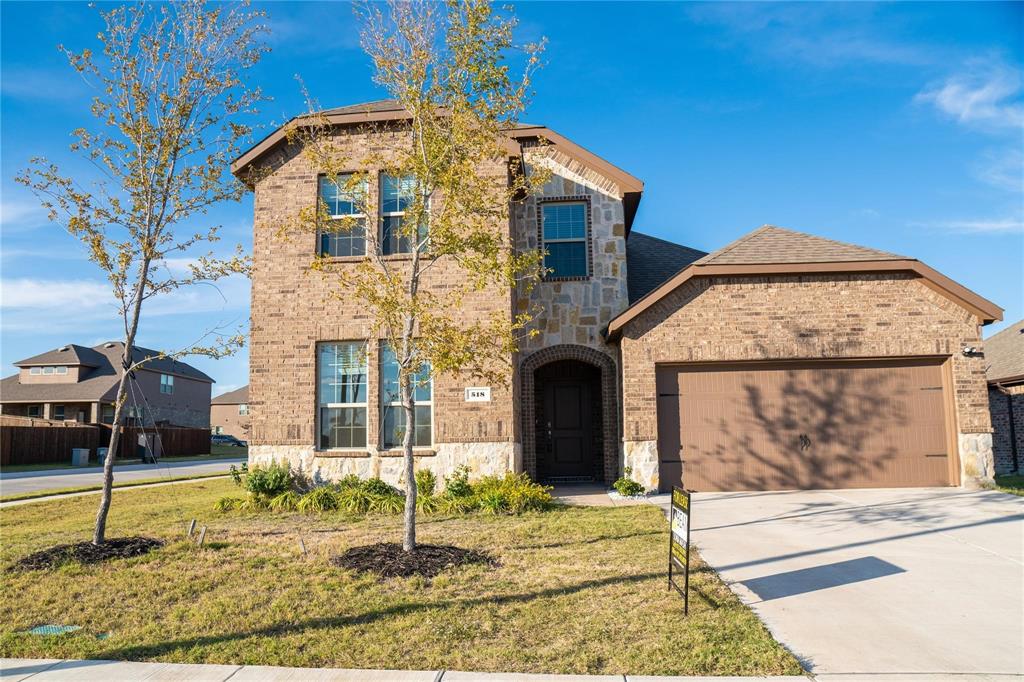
(216,452)
(1011,484)
(579,590)
(91,488)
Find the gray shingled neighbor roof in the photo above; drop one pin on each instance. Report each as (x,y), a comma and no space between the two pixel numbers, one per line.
(96,384)
(651,261)
(366,107)
(1004,354)
(771,244)
(236,397)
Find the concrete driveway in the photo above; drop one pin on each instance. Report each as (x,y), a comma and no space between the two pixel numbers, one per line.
(21,482)
(877,581)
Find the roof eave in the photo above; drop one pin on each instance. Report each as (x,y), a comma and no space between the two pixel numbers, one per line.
(985,310)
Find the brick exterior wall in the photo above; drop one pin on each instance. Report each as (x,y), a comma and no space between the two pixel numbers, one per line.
(1002,435)
(294,308)
(791,317)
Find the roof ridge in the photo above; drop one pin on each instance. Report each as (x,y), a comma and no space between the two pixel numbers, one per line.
(731,245)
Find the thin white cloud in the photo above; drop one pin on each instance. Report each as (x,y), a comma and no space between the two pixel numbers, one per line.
(1007,225)
(986,93)
(60,84)
(54,294)
(1002,168)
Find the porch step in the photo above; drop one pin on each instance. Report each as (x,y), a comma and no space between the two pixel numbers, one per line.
(562,480)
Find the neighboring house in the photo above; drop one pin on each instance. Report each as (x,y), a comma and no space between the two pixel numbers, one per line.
(229,413)
(76,383)
(783,360)
(1005,355)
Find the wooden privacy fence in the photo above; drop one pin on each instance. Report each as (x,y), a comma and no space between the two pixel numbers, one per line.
(43,442)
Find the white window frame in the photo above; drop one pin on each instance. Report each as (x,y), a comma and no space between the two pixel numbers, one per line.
(394,214)
(243,409)
(56,409)
(365,404)
(103,414)
(386,405)
(342,216)
(48,370)
(61,369)
(167,384)
(35,370)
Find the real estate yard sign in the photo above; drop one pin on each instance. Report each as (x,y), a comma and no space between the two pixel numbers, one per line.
(679,544)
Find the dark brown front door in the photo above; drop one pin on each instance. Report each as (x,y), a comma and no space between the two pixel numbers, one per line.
(567,412)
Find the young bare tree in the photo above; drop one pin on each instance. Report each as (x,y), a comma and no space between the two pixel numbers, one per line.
(170,91)
(448,65)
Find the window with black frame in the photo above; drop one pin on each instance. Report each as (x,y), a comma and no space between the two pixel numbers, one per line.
(341,395)
(393,414)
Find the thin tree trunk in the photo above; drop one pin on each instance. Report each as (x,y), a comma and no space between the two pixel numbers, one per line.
(409,538)
(100,531)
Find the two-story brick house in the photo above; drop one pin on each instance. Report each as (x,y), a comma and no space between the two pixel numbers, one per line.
(782,360)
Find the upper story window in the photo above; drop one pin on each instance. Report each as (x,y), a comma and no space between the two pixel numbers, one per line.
(392,412)
(243,409)
(564,227)
(396,195)
(49,370)
(341,395)
(60,370)
(166,384)
(347,234)
(35,370)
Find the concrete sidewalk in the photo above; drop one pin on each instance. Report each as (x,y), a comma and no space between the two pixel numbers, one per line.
(43,670)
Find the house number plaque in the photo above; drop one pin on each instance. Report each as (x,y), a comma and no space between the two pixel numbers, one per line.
(478,394)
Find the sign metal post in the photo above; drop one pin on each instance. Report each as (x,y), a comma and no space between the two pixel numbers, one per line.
(679,544)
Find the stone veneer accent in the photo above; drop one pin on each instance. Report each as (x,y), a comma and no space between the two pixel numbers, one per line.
(642,457)
(483,459)
(804,317)
(1002,434)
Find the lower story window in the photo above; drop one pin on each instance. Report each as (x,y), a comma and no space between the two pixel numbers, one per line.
(393,420)
(341,395)
(107,414)
(35,410)
(58,412)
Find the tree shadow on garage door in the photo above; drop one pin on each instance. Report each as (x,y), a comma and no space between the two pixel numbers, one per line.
(810,431)
(822,577)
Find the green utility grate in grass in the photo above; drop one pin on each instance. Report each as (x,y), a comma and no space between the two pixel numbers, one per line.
(53,629)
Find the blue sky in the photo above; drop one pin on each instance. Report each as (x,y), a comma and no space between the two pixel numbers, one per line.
(897,126)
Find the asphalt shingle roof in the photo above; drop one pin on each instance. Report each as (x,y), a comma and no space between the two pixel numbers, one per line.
(771,244)
(1004,353)
(236,397)
(650,261)
(366,107)
(96,384)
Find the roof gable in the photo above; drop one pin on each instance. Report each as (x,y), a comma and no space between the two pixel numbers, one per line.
(235,397)
(811,255)
(771,244)
(1004,353)
(71,355)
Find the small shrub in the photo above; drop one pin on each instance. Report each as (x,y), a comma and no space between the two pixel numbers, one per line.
(491,501)
(269,481)
(375,486)
(226,504)
(447,504)
(457,485)
(350,481)
(388,503)
(318,500)
(626,486)
(511,494)
(285,502)
(354,499)
(238,472)
(426,483)
(428,504)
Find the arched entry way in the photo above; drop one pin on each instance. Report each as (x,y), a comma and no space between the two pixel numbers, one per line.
(569,422)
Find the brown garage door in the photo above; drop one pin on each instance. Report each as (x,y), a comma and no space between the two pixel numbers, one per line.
(803,425)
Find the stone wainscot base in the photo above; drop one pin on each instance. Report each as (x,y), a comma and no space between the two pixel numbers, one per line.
(483,459)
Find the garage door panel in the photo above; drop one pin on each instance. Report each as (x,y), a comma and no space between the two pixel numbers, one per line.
(803,425)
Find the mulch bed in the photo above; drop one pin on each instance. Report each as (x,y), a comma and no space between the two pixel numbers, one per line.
(389,560)
(87,553)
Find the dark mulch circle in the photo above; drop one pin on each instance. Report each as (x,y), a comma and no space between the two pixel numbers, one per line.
(389,560)
(87,553)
